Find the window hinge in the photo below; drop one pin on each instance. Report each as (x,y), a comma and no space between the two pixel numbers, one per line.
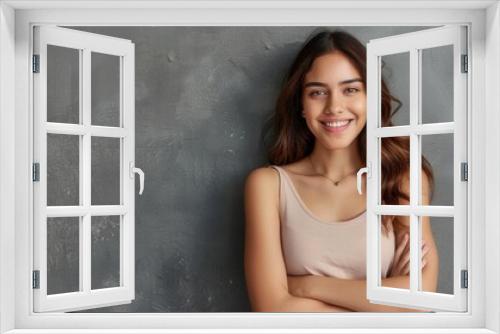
(36,279)
(36,64)
(465,64)
(464,171)
(36,172)
(465,279)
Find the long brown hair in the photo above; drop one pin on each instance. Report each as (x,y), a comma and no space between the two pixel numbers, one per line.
(291,139)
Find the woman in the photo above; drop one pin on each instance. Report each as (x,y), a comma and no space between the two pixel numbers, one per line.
(305,221)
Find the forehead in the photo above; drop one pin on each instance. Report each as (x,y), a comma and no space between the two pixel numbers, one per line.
(332,67)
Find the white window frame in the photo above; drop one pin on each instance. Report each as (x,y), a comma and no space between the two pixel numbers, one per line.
(85,44)
(16,19)
(413,43)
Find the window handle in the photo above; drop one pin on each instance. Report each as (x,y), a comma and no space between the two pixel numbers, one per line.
(133,171)
(358,176)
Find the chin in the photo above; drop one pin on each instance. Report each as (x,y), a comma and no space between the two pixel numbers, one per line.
(340,145)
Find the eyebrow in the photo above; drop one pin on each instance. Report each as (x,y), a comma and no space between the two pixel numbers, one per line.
(314,83)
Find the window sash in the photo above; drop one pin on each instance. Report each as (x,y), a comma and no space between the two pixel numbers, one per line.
(85,298)
(413,43)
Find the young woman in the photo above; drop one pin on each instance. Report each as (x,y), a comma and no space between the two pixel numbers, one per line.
(305,232)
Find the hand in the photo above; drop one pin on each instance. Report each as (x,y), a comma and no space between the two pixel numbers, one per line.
(298,285)
(401,264)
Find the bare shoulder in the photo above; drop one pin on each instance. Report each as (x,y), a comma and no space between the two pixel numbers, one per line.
(263,183)
(263,177)
(262,192)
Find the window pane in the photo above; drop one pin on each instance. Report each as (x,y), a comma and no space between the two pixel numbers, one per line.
(105,251)
(395,160)
(396,74)
(105,89)
(438,151)
(442,230)
(437,84)
(63,247)
(63,84)
(105,171)
(391,263)
(63,169)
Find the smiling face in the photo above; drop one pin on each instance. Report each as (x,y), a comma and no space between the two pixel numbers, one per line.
(334,101)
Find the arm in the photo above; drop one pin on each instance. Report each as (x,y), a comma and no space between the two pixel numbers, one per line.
(265,270)
(352,293)
(349,293)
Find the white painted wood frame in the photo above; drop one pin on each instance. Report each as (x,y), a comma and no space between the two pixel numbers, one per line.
(413,44)
(85,44)
(16,19)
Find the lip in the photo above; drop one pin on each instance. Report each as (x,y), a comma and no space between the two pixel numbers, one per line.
(335,119)
(338,129)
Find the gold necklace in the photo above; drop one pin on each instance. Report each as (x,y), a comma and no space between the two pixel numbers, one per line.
(336,183)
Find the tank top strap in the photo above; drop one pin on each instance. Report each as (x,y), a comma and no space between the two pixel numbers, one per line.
(282,194)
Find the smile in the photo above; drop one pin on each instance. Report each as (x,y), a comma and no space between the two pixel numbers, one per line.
(336,126)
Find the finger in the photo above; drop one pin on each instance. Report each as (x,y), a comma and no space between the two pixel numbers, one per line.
(402,241)
(405,270)
(399,262)
(403,263)
(399,251)
(405,259)
(403,267)
(399,266)
(407,246)
(425,249)
(402,245)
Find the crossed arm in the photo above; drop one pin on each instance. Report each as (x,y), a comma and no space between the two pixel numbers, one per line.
(269,287)
(351,294)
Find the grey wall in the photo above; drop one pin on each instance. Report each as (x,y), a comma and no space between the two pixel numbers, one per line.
(203,95)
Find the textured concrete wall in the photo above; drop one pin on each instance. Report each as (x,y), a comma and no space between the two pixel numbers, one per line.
(202,97)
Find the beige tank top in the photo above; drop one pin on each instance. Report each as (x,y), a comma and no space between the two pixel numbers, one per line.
(314,247)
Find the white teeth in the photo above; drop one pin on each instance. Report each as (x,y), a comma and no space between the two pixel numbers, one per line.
(336,124)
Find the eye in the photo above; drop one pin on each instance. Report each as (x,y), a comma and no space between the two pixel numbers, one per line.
(314,93)
(351,90)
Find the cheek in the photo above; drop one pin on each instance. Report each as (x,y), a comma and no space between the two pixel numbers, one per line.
(310,104)
(359,107)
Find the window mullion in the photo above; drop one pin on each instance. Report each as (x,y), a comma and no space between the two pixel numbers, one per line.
(85,255)
(414,167)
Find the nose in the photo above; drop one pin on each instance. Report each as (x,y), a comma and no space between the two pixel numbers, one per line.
(334,104)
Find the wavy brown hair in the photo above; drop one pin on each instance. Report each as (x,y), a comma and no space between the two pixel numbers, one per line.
(291,139)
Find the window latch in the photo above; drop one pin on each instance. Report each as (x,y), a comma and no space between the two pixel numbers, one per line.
(133,171)
(366,170)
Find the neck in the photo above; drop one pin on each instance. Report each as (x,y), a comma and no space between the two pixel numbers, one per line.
(336,163)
